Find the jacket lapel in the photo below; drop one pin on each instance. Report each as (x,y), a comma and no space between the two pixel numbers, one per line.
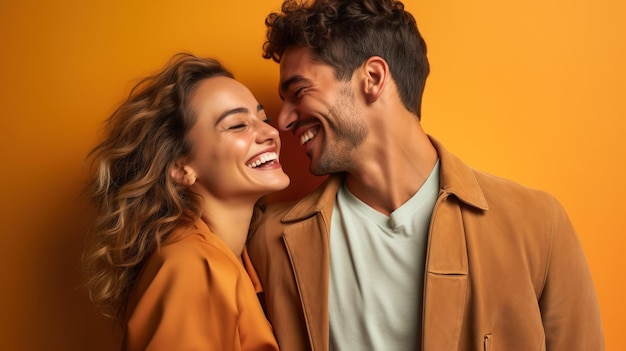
(447,269)
(306,237)
(309,259)
(445,286)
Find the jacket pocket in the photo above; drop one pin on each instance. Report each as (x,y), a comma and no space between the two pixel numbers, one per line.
(487,343)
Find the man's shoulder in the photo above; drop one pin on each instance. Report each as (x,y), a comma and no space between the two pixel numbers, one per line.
(278,208)
(317,200)
(502,188)
(483,189)
(510,199)
(276,215)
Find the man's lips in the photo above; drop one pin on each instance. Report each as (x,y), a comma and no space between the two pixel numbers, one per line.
(308,134)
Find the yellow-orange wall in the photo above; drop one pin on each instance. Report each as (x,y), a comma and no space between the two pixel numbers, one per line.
(531,90)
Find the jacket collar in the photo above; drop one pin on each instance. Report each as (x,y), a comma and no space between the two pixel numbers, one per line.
(320,200)
(456,178)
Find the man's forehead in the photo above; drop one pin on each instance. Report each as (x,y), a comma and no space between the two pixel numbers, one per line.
(294,65)
(299,61)
(293,58)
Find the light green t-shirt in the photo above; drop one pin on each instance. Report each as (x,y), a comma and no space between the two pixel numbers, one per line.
(377,271)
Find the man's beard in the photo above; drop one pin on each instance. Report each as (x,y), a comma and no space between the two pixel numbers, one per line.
(348,132)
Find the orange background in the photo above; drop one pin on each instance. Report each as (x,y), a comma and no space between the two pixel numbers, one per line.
(533,91)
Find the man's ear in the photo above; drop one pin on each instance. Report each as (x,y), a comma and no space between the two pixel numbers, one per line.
(376,74)
(182,173)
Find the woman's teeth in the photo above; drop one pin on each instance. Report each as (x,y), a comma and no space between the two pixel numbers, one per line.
(266,157)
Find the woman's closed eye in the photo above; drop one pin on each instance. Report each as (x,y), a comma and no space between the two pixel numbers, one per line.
(237,126)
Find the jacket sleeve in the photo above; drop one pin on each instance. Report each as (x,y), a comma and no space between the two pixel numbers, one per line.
(188,303)
(569,306)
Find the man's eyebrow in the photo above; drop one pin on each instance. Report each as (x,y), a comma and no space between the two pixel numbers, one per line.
(284,86)
(259,107)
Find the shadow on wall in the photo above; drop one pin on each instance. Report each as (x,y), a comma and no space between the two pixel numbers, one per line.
(59,314)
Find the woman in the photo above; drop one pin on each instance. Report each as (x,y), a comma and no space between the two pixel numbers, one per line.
(183,162)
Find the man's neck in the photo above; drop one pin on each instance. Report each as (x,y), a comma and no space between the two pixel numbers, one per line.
(393,171)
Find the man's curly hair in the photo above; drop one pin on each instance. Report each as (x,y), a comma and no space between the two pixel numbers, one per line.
(345,33)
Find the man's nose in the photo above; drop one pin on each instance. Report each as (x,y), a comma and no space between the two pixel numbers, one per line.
(287,116)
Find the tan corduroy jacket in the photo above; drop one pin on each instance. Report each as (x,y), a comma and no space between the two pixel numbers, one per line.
(504,269)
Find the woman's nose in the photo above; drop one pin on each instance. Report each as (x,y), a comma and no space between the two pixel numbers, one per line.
(267,132)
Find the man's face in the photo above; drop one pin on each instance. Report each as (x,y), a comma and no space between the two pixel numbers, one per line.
(321,111)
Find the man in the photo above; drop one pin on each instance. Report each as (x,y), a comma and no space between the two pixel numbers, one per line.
(403,247)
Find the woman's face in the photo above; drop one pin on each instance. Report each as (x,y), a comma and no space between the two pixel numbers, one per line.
(234,149)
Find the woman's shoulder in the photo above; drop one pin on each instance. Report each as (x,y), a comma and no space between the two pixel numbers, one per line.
(194,249)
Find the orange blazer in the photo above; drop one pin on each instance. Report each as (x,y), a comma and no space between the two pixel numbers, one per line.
(194,294)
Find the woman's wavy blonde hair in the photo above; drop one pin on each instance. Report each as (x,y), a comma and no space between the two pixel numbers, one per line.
(138,203)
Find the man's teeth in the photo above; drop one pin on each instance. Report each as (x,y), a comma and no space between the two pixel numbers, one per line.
(266,157)
(306,136)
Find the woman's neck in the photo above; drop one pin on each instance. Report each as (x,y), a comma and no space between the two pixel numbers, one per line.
(229,221)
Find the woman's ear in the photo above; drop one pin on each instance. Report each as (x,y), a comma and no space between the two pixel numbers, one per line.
(376,74)
(182,173)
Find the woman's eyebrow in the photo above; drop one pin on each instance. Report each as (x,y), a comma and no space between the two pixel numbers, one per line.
(227,113)
(231,112)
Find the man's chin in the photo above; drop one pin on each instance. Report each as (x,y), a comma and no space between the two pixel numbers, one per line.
(316,171)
